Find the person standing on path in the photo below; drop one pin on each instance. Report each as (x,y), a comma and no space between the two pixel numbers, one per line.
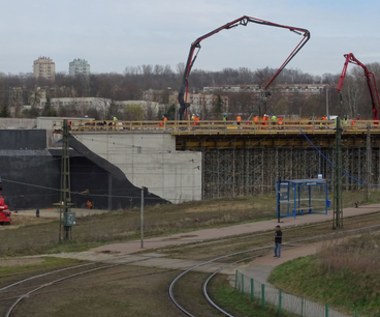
(277,241)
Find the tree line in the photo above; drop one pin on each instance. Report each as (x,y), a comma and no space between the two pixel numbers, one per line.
(19,90)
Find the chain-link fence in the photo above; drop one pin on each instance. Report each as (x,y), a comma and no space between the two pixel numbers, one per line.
(265,294)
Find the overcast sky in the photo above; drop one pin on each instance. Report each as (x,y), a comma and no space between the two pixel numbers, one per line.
(114,34)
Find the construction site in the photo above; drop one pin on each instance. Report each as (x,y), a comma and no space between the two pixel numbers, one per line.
(188,158)
(237,179)
(241,160)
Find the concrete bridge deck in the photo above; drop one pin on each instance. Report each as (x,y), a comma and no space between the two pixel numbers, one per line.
(176,127)
(196,136)
(186,160)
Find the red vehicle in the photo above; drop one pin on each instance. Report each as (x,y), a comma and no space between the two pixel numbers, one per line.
(371,82)
(5,214)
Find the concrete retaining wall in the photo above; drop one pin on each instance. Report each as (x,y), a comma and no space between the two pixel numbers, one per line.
(150,160)
(17,123)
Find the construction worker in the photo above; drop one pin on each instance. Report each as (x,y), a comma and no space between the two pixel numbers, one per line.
(256,119)
(238,119)
(280,122)
(196,119)
(89,204)
(265,119)
(323,122)
(273,119)
(225,118)
(163,121)
(114,122)
(345,121)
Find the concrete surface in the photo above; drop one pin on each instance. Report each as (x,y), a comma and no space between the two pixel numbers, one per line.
(151,160)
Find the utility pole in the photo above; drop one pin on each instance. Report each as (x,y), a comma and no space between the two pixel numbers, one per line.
(67,218)
(369,162)
(143,191)
(338,211)
(327,102)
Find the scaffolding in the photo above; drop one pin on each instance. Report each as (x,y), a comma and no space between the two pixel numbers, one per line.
(244,172)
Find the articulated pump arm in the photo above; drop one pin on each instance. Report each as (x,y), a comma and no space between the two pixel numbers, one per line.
(371,82)
(244,20)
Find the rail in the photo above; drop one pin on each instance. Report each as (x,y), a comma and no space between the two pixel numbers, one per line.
(225,127)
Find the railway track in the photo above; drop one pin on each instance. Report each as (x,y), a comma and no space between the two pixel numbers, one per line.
(23,289)
(187,306)
(12,295)
(189,290)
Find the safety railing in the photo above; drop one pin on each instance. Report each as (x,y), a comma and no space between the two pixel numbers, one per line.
(265,295)
(226,127)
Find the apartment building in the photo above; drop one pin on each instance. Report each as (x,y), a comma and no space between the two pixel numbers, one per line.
(44,67)
(79,67)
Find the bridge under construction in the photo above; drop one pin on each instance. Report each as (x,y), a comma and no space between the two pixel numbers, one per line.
(247,158)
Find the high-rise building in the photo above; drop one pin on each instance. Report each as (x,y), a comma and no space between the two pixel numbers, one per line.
(79,67)
(44,67)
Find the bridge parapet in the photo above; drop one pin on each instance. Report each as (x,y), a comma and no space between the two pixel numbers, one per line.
(211,127)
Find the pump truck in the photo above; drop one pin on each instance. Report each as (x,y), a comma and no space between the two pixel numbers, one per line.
(244,20)
(371,82)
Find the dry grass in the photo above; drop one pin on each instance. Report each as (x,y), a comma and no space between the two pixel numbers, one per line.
(119,291)
(344,274)
(358,255)
(31,235)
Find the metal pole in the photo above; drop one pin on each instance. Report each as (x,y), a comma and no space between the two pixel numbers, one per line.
(60,221)
(142,217)
(278,205)
(252,289)
(338,211)
(110,192)
(369,162)
(327,102)
(65,197)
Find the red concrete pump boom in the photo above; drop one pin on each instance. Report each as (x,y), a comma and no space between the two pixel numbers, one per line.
(371,82)
(244,20)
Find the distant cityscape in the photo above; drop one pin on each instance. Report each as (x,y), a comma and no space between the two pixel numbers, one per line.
(145,93)
(202,101)
(44,67)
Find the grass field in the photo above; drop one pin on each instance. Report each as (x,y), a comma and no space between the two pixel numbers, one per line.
(40,236)
(344,275)
(35,238)
(37,235)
